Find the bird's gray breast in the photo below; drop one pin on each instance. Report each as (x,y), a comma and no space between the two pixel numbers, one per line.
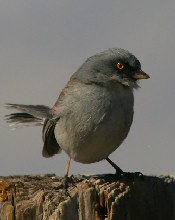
(94,120)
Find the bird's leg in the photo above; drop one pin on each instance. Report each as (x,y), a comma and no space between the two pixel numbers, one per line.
(68,167)
(117,169)
(121,173)
(71,180)
(68,181)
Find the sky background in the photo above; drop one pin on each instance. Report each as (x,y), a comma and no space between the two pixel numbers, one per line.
(42,43)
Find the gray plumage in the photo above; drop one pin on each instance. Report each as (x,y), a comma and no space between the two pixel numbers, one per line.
(94,112)
(29,115)
(95,120)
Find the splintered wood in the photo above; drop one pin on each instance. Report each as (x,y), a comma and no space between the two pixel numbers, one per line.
(96,197)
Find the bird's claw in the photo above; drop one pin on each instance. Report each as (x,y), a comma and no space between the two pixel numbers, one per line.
(68,182)
(129,176)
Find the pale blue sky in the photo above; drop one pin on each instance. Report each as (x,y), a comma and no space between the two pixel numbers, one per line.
(43,42)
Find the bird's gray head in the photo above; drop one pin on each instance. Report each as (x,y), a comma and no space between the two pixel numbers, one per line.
(109,66)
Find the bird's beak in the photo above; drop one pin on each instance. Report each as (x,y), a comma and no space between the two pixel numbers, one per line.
(139,74)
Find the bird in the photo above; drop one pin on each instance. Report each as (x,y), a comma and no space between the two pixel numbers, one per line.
(93,113)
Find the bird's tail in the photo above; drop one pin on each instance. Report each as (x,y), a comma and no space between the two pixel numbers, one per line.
(27,115)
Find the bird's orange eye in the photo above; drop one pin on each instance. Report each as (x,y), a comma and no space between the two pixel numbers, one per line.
(120,66)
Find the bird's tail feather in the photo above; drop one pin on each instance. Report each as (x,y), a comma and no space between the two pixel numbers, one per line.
(28,115)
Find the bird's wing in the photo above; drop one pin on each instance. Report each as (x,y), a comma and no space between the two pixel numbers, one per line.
(51,147)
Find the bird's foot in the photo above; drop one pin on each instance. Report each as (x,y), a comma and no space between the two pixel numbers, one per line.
(129,175)
(124,175)
(69,182)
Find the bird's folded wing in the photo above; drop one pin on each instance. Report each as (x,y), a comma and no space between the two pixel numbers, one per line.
(51,147)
